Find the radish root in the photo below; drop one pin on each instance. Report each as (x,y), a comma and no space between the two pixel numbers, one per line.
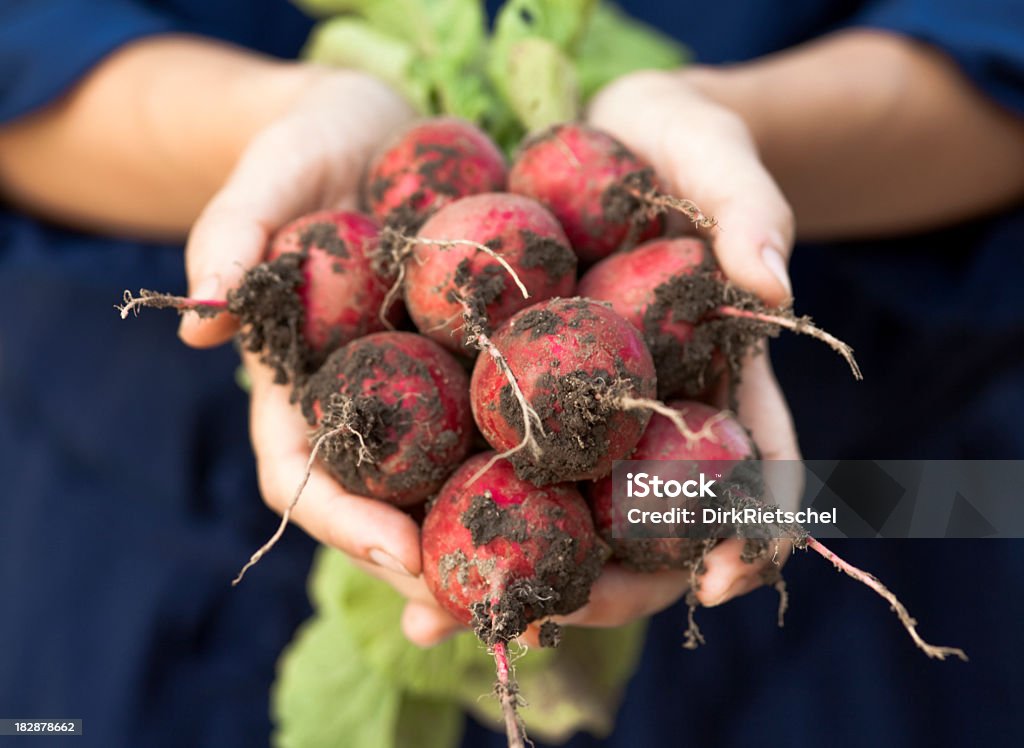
(706,432)
(476,336)
(156,300)
(403,249)
(508,695)
(909,623)
(802,325)
(265,548)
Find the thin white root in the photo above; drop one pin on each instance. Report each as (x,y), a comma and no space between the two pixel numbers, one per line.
(531,419)
(166,301)
(660,203)
(265,548)
(389,299)
(801,325)
(131,304)
(448,243)
(706,432)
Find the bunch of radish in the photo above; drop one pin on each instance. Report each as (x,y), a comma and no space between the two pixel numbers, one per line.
(565,368)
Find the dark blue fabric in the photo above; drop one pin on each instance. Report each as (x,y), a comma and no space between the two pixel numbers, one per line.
(129,494)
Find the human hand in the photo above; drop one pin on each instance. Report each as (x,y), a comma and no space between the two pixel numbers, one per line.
(704,152)
(310,158)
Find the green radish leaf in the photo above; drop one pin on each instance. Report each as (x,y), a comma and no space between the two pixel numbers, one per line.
(353,43)
(370,612)
(325,696)
(355,642)
(559,21)
(615,44)
(540,83)
(428,723)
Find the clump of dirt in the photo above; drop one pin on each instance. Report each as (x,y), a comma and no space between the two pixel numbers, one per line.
(477,289)
(551,255)
(538,323)
(269,307)
(582,403)
(364,428)
(559,586)
(689,367)
(486,521)
(550,634)
(323,235)
(621,204)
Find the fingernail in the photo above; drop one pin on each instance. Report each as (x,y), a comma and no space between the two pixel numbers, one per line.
(387,561)
(740,586)
(206,289)
(772,259)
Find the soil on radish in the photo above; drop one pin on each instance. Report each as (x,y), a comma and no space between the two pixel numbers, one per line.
(411,213)
(480,289)
(374,426)
(269,306)
(580,400)
(690,367)
(559,586)
(270,310)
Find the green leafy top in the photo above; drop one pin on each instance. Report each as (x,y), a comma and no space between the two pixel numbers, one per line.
(351,678)
(543,60)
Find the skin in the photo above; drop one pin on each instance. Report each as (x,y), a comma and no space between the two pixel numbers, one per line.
(745,142)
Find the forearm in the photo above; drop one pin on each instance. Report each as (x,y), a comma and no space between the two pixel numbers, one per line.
(868,133)
(143,142)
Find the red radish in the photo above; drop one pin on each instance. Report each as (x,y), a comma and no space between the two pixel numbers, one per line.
(631,281)
(581,372)
(318,289)
(715,443)
(394,410)
(696,323)
(428,165)
(604,195)
(499,553)
(446,269)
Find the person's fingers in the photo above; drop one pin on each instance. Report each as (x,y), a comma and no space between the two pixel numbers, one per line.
(720,171)
(232,233)
(426,625)
(361,527)
(763,409)
(728,576)
(413,589)
(620,596)
(312,159)
(704,153)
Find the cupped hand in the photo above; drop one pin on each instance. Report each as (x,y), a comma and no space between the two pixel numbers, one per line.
(704,152)
(310,158)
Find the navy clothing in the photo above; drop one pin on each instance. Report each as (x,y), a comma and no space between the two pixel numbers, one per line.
(129,494)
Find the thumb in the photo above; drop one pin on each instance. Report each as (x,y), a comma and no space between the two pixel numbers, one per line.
(232,234)
(704,152)
(719,169)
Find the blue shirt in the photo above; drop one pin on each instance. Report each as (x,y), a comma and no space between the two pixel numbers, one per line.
(129,494)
